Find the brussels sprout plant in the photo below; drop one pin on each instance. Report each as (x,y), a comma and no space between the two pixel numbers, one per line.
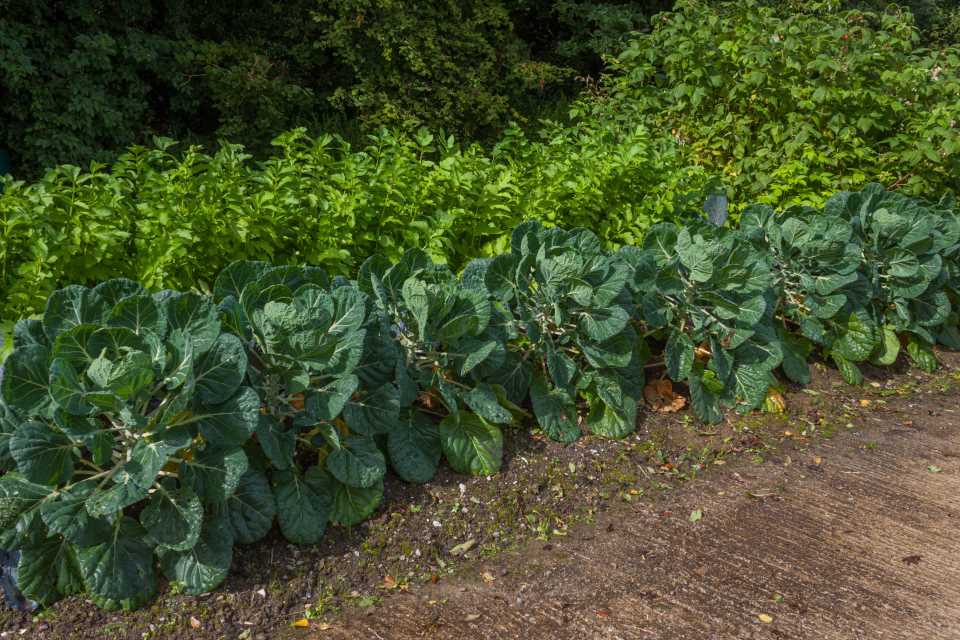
(124,417)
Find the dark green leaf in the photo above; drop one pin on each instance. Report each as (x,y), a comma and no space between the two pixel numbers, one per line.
(556,413)
(231,423)
(26,380)
(220,371)
(71,306)
(204,566)
(483,401)
(141,314)
(414,448)
(48,570)
(44,454)
(173,517)
(119,573)
(195,316)
(471,444)
(921,355)
(251,508)
(357,463)
(679,356)
(214,474)
(352,505)
(303,504)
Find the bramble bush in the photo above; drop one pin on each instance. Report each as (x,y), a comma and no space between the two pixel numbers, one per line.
(791,107)
(141,430)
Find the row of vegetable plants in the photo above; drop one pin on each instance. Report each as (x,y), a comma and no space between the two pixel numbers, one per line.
(170,217)
(143,432)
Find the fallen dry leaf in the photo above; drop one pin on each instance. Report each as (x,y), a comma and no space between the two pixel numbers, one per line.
(194,622)
(389,582)
(864,402)
(764,618)
(471,617)
(302,623)
(818,461)
(487,577)
(774,402)
(660,396)
(296,401)
(912,559)
(461,549)
(602,614)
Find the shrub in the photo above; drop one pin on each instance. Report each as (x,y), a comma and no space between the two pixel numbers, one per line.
(790,108)
(565,299)
(83,80)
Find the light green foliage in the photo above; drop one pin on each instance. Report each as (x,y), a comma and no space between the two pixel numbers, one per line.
(791,106)
(176,221)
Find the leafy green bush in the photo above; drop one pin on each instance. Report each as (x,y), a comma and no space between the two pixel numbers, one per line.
(792,107)
(305,343)
(872,269)
(451,342)
(170,221)
(139,430)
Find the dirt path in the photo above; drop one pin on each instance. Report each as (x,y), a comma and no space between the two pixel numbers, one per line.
(858,537)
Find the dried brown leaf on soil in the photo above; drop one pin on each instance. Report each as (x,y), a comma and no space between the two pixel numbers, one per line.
(660,396)
(774,402)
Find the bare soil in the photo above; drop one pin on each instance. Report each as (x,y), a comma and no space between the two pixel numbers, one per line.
(836,519)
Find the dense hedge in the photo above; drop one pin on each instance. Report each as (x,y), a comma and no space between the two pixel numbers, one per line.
(793,106)
(82,80)
(175,220)
(141,430)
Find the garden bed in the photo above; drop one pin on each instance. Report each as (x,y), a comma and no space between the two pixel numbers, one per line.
(545,493)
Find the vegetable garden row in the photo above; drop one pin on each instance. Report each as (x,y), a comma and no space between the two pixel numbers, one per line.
(144,430)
